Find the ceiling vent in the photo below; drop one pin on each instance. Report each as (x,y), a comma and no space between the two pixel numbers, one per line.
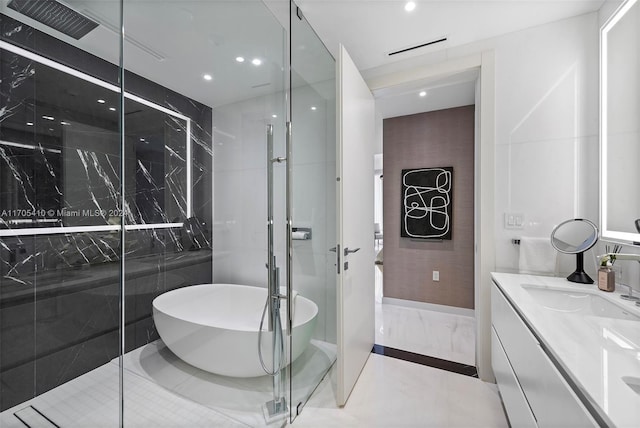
(433,42)
(55,15)
(106,23)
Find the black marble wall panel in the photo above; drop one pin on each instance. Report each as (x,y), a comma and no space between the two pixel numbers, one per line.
(59,293)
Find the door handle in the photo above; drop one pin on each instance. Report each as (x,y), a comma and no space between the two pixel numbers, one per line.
(347,251)
(336,250)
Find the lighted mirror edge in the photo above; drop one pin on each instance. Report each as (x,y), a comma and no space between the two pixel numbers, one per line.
(603,128)
(606,234)
(76,229)
(189,166)
(68,70)
(618,14)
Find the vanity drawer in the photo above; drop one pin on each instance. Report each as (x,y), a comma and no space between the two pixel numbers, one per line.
(515,402)
(551,399)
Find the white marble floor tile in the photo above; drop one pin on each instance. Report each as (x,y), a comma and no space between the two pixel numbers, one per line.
(160,390)
(241,399)
(156,363)
(91,401)
(395,393)
(436,334)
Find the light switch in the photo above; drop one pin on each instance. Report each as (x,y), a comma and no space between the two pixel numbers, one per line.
(436,275)
(518,220)
(513,220)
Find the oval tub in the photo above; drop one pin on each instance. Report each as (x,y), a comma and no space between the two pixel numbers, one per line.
(215,327)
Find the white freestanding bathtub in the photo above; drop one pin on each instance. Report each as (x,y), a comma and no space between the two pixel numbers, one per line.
(215,327)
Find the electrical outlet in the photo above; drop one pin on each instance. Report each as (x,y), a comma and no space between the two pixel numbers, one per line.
(436,275)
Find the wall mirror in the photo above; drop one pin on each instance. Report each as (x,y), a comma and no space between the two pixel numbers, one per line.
(60,153)
(619,125)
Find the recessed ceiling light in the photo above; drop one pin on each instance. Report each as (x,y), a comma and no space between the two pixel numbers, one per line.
(207,77)
(101,101)
(240,59)
(141,139)
(49,117)
(314,108)
(256,61)
(64,123)
(29,123)
(274,116)
(112,108)
(410,6)
(423,93)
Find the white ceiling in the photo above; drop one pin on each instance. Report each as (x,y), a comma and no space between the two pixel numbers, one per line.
(451,91)
(174,42)
(371,29)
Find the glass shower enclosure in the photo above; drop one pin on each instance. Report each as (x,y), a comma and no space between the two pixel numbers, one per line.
(147,148)
(313,201)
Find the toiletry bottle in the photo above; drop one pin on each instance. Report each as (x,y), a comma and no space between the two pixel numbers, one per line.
(606,278)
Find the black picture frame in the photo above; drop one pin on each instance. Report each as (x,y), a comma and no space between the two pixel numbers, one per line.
(427,203)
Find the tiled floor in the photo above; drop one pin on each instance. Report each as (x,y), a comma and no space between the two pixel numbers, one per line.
(91,401)
(395,393)
(161,391)
(240,399)
(437,334)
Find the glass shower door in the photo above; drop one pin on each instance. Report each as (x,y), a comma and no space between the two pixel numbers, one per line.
(60,181)
(207,80)
(313,209)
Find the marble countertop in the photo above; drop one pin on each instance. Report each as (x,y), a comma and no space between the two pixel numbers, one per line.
(599,355)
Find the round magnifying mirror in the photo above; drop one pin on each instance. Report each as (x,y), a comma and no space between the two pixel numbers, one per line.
(575,237)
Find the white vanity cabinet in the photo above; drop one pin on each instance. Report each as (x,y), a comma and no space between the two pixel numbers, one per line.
(534,392)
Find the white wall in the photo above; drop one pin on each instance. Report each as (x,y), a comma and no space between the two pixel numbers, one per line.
(546,117)
(547,132)
(240,189)
(240,196)
(547,145)
(314,201)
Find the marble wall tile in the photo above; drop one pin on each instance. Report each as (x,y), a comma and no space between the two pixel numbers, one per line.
(59,293)
(241,198)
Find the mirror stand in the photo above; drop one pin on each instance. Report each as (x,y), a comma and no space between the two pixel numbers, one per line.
(579,275)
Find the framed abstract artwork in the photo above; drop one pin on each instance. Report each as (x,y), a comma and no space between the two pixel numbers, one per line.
(427,203)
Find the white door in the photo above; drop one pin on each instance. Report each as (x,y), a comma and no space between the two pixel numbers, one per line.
(356,133)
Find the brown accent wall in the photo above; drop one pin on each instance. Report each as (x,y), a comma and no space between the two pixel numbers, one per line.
(434,139)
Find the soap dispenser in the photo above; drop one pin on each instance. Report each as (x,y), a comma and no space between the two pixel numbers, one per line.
(606,278)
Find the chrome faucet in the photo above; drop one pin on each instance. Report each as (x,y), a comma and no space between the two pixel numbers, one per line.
(622,256)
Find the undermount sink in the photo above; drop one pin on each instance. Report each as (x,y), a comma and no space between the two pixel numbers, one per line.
(578,302)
